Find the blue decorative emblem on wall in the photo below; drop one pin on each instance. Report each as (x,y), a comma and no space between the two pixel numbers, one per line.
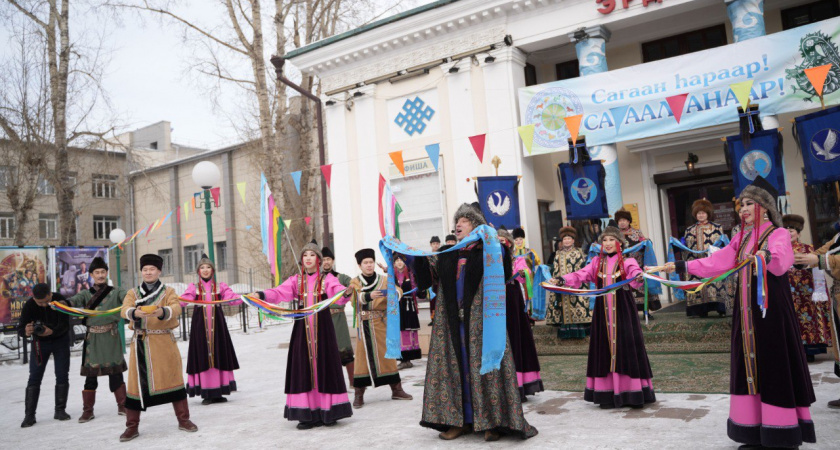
(414,116)
(584,191)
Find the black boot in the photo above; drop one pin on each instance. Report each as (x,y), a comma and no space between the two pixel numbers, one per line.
(31,402)
(61,391)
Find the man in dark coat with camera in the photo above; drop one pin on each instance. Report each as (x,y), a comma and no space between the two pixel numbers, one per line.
(49,332)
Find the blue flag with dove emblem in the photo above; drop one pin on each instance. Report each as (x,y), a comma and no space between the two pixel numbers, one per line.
(818,135)
(763,157)
(583,190)
(499,200)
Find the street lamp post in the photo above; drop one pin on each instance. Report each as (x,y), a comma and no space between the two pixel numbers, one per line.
(116,236)
(206,175)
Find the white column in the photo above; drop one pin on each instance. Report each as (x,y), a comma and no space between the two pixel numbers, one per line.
(365,116)
(339,190)
(462,124)
(502,79)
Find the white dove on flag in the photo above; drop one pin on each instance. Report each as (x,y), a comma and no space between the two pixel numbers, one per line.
(498,206)
(825,151)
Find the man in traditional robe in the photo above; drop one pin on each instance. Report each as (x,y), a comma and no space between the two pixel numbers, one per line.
(155,370)
(457,399)
(339,319)
(104,346)
(372,368)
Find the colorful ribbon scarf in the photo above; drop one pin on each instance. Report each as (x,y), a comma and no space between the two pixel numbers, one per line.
(542,273)
(82,312)
(675,243)
(649,259)
(495,323)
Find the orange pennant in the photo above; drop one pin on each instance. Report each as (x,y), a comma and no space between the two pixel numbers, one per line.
(188,236)
(397,158)
(817,76)
(573,124)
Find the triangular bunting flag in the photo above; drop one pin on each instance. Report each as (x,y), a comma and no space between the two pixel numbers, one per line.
(397,159)
(287,223)
(526,133)
(573,124)
(178,215)
(618,113)
(192,203)
(326,170)
(817,75)
(433,150)
(148,230)
(742,92)
(248,227)
(188,236)
(478,145)
(215,193)
(296,178)
(241,188)
(677,103)
(307,219)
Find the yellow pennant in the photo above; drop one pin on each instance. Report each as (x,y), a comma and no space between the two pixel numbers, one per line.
(526,133)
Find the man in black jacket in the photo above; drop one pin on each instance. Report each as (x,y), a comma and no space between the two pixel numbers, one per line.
(49,331)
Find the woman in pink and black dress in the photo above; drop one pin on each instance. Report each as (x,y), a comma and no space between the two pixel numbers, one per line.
(315,391)
(769,384)
(211,358)
(618,370)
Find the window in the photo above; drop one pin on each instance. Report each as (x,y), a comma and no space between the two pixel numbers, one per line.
(7,226)
(685,43)
(45,186)
(221,255)
(192,254)
(105,186)
(567,70)
(809,13)
(530,74)
(48,226)
(166,254)
(153,145)
(7,176)
(102,226)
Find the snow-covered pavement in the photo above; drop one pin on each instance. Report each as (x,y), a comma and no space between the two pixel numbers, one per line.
(253,418)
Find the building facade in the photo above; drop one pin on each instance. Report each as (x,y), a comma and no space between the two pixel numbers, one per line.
(455,67)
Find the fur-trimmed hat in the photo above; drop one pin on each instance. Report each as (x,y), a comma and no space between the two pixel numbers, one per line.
(434,239)
(613,232)
(365,253)
(205,260)
(150,259)
(763,193)
(327,253)
(623,214)
(471,213)
(703,205)
(568,231)
(794,221)
(504,233)
(451,237)
(97,263)
(311,247)
(518,232)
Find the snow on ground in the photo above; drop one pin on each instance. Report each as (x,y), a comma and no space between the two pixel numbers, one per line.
(253,418)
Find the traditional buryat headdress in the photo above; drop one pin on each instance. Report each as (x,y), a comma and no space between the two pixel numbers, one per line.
(150,259)
(327,253)
(98,263)
(471,213)
(568,231)
(703,205)
(365,253)
(794,221)
(311,247)
(613,232)
(623,214)
(763,193)
(451,237)
(504,233)
(518,232)
(205,260)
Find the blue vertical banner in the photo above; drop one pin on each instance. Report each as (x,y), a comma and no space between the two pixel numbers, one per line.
(583,190)
(763,157)
(818,135)
(499,200)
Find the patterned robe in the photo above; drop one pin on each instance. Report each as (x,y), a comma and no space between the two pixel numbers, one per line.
(714,297)
(568,311)
(814,317)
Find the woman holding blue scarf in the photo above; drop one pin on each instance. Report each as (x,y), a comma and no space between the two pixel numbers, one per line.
(457,398)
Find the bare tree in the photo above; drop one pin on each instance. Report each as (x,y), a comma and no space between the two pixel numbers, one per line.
(66,70)
(286,130)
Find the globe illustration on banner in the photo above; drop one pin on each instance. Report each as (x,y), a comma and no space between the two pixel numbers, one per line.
(584,191)
(498,203)
(547,111)
(755,163)
(824,145)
